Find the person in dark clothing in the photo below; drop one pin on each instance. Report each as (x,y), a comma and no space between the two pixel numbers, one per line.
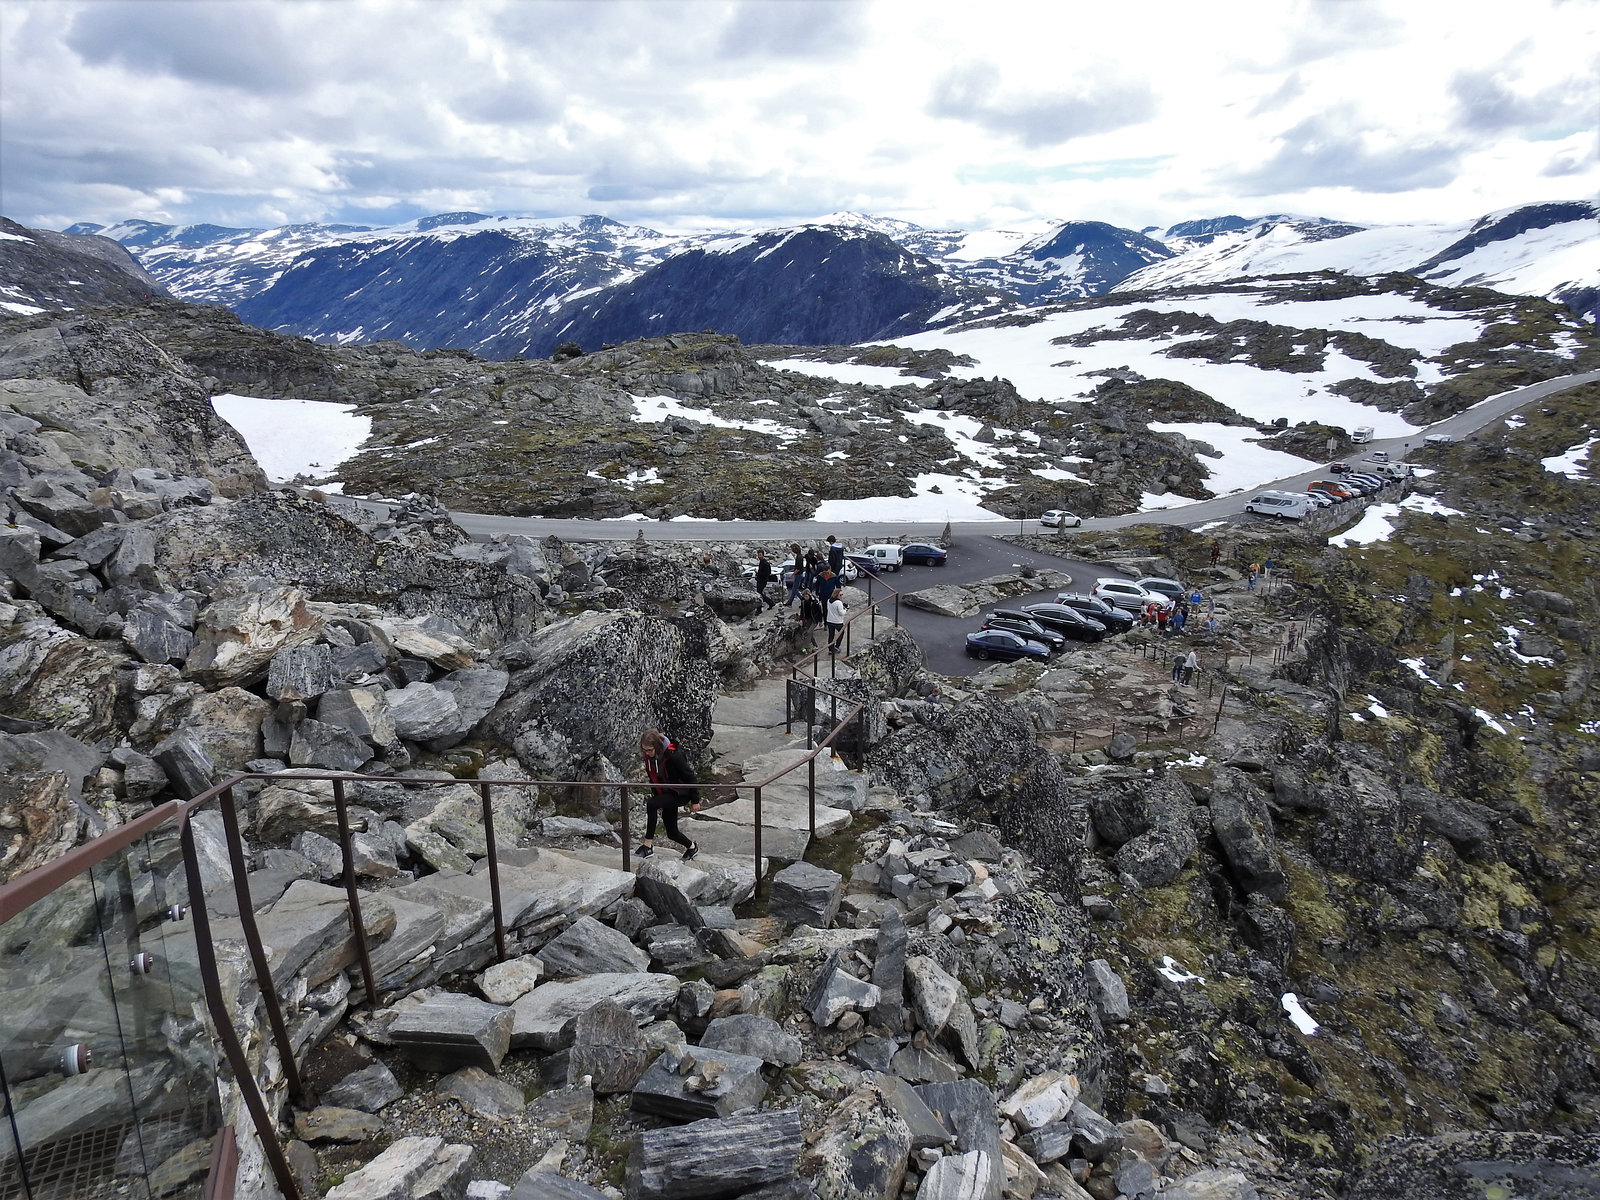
(826,585)
(797,579)
(763,577)
(668,767)
(1216,552)
(835,555)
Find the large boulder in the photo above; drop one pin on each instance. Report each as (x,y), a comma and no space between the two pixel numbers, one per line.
(50,675)
(1242,824)
(597,680)
(287,539)
(1158,855)
(238,634)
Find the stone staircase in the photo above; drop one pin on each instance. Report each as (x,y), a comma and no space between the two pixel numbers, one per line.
(425,929)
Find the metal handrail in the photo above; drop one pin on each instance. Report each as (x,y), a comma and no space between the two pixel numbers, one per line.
(18,894)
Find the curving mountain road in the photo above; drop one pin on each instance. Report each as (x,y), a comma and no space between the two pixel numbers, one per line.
(1461,425)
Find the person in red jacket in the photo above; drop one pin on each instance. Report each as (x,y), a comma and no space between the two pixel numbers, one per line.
(667,766)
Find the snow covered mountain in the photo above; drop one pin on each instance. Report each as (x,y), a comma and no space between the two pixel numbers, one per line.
(1550,250)
(512,285)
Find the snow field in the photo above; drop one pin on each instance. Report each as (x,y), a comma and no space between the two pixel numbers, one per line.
(295,437)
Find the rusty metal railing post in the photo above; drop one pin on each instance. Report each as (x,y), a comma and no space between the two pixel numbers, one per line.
(811,793)
(627,821)
(494,872)
(252,940)
(897,608)
(358,925)
(758,839)
(249,1092)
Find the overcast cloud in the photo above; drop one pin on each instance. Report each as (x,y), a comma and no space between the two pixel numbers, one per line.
(719,113)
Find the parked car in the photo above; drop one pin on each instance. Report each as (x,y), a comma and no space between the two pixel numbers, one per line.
(1170,588)
(1321,499)
(1020,622)
(924,552)
(1379,456)
(1125,593)
(885,556)
(1113,618)
(1065,620)
(1438,439)
(1338,468)
(1060,518)
(1005,646)
(1335,491)
(1369,483)
(861,564)
(785,574)
(1289,505)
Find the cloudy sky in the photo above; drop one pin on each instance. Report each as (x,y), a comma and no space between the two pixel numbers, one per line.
(715,113)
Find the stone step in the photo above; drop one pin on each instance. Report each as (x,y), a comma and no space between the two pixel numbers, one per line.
(760,707)
(731,877)
(784,814)
(733,745)
(728,840)
(837,785)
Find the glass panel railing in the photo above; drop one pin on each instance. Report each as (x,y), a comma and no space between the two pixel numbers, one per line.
(109,1069)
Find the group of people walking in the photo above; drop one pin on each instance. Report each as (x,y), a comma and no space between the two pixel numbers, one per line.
(1175,617)
(816,580)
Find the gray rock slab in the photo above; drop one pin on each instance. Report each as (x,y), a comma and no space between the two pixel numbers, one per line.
(758,1036)
(368,1089)
(725,839)
(714,1159)
(589,948)
(449,1031)
(968,1176)
(422,712)
(695,1083)
(1110,993)
(926,1128)
(803,894)
(541,1014)
(967,1109)
(782,813)
(412,1167)
(547,1185)
(317,744)
(608,1048)
(566,885)
(507,982)
(481,1094)
(674,948)
(330,1124)
(359,711)
(300,672)
(418,928)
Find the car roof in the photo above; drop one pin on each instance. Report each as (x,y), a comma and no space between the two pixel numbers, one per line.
(1116,579)
(1157,579)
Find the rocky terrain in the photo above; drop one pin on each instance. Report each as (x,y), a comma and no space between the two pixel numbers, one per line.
(1321,923)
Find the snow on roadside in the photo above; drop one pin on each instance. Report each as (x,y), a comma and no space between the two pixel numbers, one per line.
(958,499)
(1376,524)
(295,437)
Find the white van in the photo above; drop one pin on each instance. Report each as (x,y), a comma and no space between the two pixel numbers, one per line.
(1361,433)
(885,556)
(1292,505)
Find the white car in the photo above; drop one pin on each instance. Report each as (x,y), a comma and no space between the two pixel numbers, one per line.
(1060,518)
(1125,593)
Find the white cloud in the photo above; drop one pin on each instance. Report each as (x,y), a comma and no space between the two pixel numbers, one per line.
(715,112)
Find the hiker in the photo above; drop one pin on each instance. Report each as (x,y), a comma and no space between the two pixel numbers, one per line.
(836,619)
(1162,617)
(763,577)
(835,555)
(668,767)
(1255,570)
(1191,666)
(1216,552)
(1177,667)
(797,579)
(1179,620)
(1293,637)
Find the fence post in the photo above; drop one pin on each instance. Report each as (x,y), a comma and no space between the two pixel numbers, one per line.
(1220,703)
(494,872)
(758,839)
(252,939)
(223,1022)
(811,793)
(358,925)
(627,811)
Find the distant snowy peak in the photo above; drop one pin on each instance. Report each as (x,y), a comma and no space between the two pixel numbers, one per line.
(1540,249)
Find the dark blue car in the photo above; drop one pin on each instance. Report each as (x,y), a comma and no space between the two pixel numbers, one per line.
(924,552)
(1005,646)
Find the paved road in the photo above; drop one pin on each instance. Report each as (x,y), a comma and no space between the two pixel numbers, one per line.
(1461,425)
(977,553)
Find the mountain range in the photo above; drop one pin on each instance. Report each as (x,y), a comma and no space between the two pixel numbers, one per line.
(507,286)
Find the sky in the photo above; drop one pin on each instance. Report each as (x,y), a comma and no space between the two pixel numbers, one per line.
(726,114)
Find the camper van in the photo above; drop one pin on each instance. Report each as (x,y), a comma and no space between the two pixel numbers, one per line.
(1361,433)
(1292,505)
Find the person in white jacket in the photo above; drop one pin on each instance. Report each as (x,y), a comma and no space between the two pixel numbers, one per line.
(835,623)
